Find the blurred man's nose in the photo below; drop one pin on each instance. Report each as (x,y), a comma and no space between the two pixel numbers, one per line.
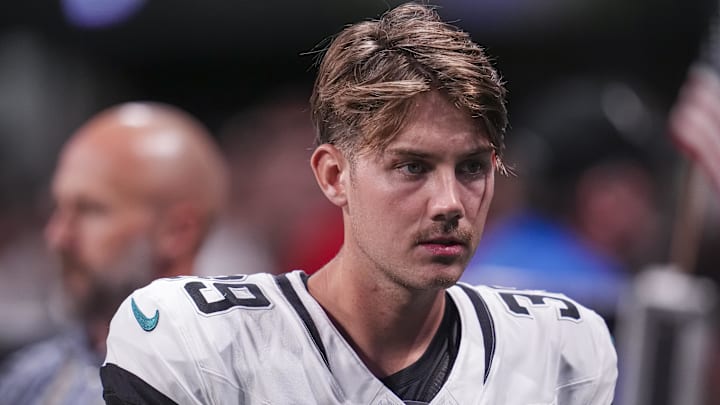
(59,230)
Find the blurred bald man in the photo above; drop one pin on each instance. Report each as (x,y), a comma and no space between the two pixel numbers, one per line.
(136,190)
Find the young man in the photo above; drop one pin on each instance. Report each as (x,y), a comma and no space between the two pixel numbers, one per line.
(410,118)
(135,191)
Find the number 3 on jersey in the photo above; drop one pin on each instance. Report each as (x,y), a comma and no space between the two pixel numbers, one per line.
(566,309)
(222,297)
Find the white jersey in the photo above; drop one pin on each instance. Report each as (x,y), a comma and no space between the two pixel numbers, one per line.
(263,339)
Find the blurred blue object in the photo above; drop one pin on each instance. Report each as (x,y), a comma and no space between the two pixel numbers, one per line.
(99,13)
(528,251)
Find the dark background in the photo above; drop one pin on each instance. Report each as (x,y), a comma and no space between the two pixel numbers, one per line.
(213,57)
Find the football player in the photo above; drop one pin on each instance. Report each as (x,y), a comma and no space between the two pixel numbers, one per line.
(410,118)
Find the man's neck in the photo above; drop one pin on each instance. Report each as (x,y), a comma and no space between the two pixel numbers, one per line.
(97,333)
(389,326)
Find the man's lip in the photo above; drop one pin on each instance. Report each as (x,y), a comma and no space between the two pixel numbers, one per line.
(443,250)
(443,241)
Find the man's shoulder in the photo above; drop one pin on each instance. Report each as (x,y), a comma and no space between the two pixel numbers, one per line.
(190,299)
(45,353)
(525,310)
(38,364)
(179,333)
(171,287)
(32,360)
(555,340)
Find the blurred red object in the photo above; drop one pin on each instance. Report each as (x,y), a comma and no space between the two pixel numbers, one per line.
(313,239)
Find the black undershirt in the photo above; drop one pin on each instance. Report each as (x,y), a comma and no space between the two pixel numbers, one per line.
(421,381)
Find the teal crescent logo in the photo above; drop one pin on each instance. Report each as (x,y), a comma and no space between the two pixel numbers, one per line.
(148,324)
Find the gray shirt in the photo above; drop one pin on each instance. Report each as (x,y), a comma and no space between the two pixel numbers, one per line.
(60,370)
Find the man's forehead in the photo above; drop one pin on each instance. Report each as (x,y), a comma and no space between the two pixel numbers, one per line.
(459,139)
(74,183)
(87,167)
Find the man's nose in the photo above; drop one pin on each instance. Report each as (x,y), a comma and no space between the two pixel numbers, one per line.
(59,230)
(445,202)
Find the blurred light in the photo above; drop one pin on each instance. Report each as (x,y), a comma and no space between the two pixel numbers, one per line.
(626,112)
(160,145)
(99,13)
(135,115)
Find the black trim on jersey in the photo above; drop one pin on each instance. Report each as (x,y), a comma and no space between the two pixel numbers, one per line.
(121,387)
(304,277)
(419,382)
(289,292)
(486,325)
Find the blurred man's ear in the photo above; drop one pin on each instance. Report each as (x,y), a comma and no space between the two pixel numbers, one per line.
(179,235)
(331,171)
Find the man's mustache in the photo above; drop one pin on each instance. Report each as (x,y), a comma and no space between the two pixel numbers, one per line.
(69,262)
(445,232)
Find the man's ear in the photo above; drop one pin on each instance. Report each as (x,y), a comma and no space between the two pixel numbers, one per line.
(331,171)
(180,233)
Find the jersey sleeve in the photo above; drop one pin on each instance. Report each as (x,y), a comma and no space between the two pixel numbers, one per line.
(150,359)
(562,347)
(589,363)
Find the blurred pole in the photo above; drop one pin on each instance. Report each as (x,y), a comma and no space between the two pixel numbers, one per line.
(692,208)
(694,189)
(664,332)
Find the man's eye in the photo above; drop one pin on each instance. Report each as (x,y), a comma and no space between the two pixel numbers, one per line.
(92,208)
(473,167)
(413,168)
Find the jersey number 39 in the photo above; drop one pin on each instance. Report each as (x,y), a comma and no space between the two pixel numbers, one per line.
(230,295)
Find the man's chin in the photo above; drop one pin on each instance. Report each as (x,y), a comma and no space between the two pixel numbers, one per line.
(75,291)
(85,300)
(444,282)
(441,276)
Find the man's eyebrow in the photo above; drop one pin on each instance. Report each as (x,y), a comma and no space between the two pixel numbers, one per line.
(481,150)
(409,152)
